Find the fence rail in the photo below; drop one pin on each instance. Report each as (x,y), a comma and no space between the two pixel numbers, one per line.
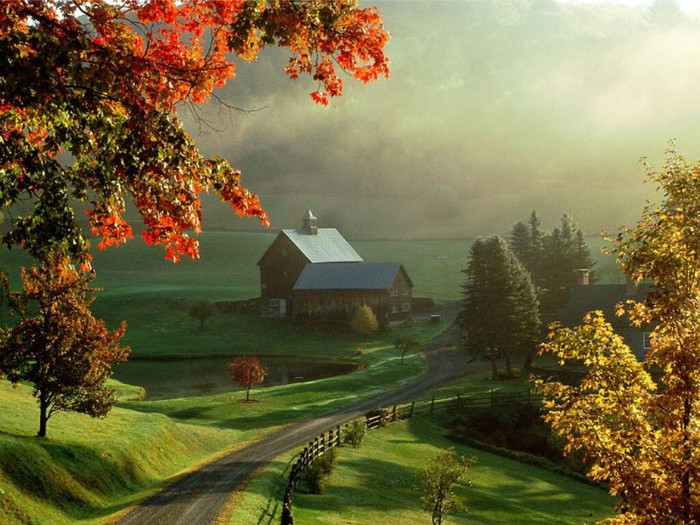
(382,417)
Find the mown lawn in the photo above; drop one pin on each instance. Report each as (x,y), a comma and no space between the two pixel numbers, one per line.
(374,484)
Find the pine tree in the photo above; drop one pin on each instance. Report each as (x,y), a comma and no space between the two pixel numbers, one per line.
(520,244)
(536,249)
(500,311)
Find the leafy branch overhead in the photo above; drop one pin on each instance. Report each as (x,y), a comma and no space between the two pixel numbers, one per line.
(88,98)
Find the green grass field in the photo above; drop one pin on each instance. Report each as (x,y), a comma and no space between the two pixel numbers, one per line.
(87,469)
(373,484)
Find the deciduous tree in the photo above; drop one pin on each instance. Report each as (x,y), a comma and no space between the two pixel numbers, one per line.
(88,98)
(404,344)
(201,310)
(639,436)
(247,371)
(437,480)
(500,308)
(57,345)
(364,321)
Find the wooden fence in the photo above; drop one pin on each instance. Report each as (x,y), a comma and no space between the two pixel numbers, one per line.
(382,417)
(314,450)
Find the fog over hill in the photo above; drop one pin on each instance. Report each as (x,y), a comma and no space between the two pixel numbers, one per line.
(494,108)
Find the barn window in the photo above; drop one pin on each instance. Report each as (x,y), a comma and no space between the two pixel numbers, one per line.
(264,286)
(274,304)
(647,340)
(405,307)
(393,292)
(404,291)
(394,308)
(284,252)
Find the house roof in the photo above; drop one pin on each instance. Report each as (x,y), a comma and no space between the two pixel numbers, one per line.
(604,297)
(349,276)
(325,246)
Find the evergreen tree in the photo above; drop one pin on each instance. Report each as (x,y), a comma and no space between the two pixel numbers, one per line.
(565,252)
(536,250)
(520,244)
(500,311)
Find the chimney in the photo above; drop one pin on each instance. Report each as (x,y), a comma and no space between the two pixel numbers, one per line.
(582,276)
(309,225)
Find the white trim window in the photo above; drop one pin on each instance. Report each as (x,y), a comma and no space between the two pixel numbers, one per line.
(393,292)
(405,307)
(646,340)
(394,308)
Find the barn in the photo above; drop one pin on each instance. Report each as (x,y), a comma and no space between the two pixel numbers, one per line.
(333,291)
(313,272)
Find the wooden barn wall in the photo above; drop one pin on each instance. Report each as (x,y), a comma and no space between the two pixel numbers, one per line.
(279,271)
(338,303)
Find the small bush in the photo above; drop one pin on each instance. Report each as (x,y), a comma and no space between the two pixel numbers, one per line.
(364,321)
(355,433)
(315,476)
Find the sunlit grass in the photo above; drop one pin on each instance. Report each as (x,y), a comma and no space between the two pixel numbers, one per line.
(374,484)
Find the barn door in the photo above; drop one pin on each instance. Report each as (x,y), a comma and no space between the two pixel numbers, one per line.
(283,307)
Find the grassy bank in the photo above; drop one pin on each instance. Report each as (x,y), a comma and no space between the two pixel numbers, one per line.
(278,405)
(373,484)
(87,469)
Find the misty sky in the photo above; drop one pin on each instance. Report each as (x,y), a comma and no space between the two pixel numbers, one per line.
(494,108)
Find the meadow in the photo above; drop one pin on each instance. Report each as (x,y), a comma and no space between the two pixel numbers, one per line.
(374,484)
(89,469)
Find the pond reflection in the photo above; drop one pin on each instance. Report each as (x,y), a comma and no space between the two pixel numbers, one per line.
(167,379)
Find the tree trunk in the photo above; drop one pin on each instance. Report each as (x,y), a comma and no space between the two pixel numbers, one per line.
(247,394)
(494,367)
(43,414)
(506,354)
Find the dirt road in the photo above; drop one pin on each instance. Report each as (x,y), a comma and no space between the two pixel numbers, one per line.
(198,497)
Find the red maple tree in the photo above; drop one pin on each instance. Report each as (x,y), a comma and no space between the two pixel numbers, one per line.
(247,371)
(88,96)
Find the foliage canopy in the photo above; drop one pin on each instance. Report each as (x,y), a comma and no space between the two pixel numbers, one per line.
(500,309)
(436,483)
(57,345)
(88,98)
(247,371)
(637,435)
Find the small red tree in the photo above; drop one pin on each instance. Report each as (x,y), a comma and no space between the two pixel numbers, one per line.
(247,371)
(58,345)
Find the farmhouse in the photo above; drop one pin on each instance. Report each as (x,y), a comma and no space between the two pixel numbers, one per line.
(314,273)
(587,297)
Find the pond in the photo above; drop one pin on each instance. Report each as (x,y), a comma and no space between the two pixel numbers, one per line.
(167,379)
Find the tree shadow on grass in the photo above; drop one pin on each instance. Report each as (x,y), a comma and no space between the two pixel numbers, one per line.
(379,485)
(70,478)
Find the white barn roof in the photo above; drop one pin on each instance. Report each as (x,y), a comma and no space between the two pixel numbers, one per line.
(325,246)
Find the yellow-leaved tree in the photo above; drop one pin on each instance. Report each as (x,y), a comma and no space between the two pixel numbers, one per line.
(640,436)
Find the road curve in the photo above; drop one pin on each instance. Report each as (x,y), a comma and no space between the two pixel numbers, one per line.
(199,497)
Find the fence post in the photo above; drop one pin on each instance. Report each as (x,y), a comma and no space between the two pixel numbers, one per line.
(492,397)
(458,401)
(393,417)
(432,404)
(413,405)
(287,518)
